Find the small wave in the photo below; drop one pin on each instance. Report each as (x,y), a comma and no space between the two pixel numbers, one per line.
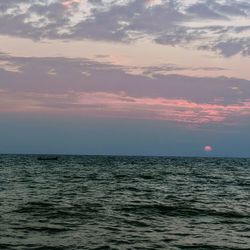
(48,248)
(35,207)
(137,223)
(129,188)
(49,230)
(120,176)
(60,211)
(179,210)
(147,177)
(6,247)
(30,247)
(209,247)
(105,247)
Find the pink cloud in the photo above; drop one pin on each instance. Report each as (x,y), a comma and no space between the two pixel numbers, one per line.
(178,110)
(70,3)
(104,104)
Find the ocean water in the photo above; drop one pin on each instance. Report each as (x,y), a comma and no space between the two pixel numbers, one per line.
(105,202)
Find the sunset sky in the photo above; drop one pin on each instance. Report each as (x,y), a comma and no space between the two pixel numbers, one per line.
(133,77)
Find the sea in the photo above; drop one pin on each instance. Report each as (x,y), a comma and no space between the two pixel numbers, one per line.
(120,202)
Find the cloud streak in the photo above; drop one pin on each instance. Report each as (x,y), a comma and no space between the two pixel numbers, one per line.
(104,104)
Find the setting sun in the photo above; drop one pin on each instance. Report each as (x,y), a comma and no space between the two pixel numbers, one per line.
(208,148)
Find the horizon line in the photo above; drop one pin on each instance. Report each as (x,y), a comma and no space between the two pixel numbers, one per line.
(125,155)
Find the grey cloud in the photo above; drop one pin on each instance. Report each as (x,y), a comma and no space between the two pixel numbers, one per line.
(213,9)
(34,77)
(163,69)
(121,22)
(242,28)
(230,47)
(204,11)
(165,23)
(234,9)
(177,36)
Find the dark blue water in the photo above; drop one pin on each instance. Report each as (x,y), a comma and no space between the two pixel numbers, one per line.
(96,202)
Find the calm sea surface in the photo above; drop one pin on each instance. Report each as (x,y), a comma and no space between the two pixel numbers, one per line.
(97,202)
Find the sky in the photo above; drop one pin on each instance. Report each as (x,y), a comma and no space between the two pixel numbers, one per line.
(125,77)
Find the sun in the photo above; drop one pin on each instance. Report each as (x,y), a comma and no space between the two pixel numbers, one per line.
(208,148)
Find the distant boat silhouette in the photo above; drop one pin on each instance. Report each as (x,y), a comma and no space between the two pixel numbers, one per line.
(47,158)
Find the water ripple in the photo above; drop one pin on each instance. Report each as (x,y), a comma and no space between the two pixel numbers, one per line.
(98,202)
